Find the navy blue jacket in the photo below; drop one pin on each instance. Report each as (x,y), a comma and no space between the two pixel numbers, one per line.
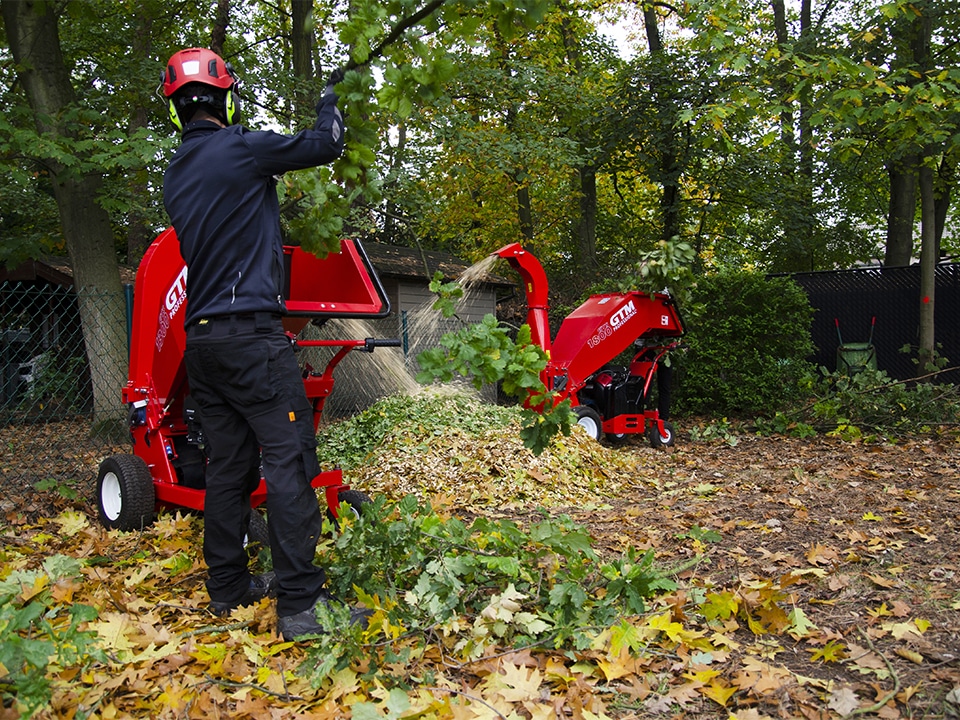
(220,193)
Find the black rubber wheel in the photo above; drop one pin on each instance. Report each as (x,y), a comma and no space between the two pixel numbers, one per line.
(616,438)
(589,420)
(355,499)
(125,495)
(257,532)
(666,439)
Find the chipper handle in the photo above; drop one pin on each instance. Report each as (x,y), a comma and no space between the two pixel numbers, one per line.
(370,343)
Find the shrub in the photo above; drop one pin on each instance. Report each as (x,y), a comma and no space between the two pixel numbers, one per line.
(867,403)
(747,341)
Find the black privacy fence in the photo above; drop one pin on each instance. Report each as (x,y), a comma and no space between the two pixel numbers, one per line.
(881,306)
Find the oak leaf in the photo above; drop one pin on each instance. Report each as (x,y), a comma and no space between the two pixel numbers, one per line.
(833,651)
(614,668)
(113,630)
(514,683)
(718,692)
(844,700)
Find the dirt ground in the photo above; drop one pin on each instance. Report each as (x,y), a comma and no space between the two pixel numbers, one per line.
(862,538)
(872,528)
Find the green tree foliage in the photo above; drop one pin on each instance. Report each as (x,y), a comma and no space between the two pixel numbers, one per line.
(755,138)
(747,341)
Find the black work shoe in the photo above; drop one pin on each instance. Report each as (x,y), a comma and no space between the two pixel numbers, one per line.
(292,627)
(261,586)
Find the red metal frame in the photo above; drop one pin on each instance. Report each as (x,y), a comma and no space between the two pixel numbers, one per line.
(343,284)
(603,327)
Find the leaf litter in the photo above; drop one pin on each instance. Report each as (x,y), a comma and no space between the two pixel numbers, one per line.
(818,579)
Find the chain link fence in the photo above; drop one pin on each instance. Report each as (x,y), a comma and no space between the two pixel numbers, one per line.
(47,435)
(47,393)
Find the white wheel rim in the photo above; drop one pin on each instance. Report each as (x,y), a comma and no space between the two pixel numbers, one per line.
(589,425)
(111,499)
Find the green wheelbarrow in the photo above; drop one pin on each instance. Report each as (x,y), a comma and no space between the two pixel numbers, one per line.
(856,357)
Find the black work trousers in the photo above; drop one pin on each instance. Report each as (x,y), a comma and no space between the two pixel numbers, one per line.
(244,377)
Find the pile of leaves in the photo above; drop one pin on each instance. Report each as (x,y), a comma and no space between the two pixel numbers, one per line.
(450,444)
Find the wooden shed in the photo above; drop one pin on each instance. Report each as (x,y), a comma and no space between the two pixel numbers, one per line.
(406,274)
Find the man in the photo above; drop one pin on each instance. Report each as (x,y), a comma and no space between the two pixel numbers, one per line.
(220,193)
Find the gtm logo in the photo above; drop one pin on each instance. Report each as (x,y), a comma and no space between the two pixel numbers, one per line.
(623,314)
(177,292)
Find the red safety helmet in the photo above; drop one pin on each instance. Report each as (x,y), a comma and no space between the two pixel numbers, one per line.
(199,65)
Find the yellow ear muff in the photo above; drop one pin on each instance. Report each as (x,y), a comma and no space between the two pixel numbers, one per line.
(231,108)
(174,117)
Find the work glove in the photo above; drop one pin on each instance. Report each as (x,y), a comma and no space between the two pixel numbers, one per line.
(336,77)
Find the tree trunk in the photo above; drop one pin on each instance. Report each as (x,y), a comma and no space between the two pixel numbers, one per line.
(33,35)
(303,42)
(139,232)
(901,212)
(525,212)
(928,267)
(586,176)
(942,193)
(587,222)
(913,33)
(805,182)
(787,133)
(670,169)
(220,23)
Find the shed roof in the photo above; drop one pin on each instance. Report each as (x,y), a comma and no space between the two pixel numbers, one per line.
(55,270)
(413,263)
(388,260)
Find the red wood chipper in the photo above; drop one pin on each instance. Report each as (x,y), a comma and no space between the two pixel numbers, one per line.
(167,466)
(607,399)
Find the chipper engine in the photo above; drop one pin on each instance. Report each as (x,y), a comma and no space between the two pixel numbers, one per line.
(608,399)
(167,465)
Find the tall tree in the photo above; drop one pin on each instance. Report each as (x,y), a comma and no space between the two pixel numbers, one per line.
(910,36)
(33,34)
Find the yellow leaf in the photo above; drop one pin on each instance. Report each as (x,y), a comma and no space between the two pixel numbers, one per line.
(870,516)
(833,651)
(911,655)
(675,631)
(40,583)
(720,605)
(71,522)
(113,629)
(702,676)
(515,683)
(882,581)
(616,667)
(921,624)
(212,655)
(663,623)
(879,612)
(755,627)
(821,555)
(901,630)
(175,696)
(718,692)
